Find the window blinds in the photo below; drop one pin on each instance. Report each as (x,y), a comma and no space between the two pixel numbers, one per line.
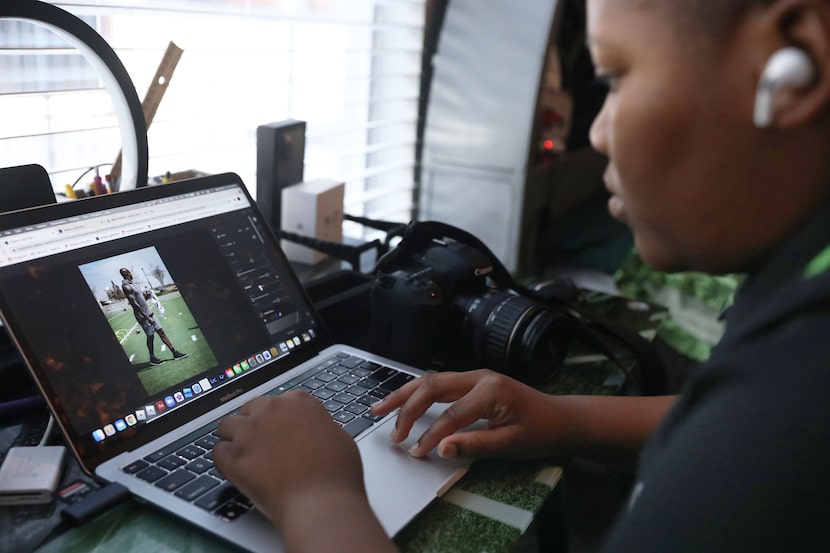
(350,69)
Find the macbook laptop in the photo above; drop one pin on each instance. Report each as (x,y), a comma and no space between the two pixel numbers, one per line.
(145,316)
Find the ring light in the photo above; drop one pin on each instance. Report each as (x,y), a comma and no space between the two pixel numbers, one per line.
(117,81)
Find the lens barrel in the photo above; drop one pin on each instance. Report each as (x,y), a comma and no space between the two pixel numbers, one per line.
(515,335)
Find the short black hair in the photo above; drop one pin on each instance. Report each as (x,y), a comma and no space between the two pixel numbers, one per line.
(704,18)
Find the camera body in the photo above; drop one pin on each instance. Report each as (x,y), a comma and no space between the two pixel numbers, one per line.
(438,307)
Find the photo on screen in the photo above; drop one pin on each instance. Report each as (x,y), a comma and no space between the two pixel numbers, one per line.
(150,319)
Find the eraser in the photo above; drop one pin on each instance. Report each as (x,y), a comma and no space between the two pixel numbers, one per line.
(29,475)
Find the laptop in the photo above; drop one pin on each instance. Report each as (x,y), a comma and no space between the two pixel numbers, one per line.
(235,323)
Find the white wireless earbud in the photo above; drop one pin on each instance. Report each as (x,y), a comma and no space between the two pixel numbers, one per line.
(787,68)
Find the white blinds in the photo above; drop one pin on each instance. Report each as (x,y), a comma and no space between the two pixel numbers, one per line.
(350,69)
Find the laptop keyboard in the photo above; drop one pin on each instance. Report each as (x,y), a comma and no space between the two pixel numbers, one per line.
(345,384)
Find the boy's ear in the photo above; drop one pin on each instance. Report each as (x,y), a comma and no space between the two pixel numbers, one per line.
(804,25)
(788,70)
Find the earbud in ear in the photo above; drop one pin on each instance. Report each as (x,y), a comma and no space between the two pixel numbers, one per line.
(787,68)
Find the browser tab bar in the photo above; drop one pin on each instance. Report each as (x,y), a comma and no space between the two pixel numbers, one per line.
(40,240)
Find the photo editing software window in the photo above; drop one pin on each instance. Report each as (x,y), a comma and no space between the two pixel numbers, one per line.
(133,312)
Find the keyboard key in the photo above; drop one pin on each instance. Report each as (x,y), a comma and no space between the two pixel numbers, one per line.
(397,381)
(336,386)
(135,466)
(231,511)
(356,408)
(326,376)
(357,390)
(175,480)
(217,496)
(384,373)
(171,462)
(342,417)
(198,487)
(351,361)
(370,382)
(190,452)
(370,365)
(151,473)
(243,501)
(157,455)
(349,379)
(372,418)
(379,393)
(326,364)
(207,442)
(367,400)
(323,393)
(332,406)
(356,426)
(199,465)
(344,398)
(313,384)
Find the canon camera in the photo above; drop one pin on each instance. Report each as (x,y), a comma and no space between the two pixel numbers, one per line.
(446,304)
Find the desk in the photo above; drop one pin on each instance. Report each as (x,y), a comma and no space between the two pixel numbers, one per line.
(489,509)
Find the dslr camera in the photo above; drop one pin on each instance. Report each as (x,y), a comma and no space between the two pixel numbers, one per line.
(442,301)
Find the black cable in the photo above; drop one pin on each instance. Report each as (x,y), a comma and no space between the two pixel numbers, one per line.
(346,252)
(374,223)
(93,168)
(391,228)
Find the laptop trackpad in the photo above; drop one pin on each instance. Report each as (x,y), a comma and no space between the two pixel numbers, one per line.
(399,486)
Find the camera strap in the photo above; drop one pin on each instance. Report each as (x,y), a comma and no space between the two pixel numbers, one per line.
(418,235)
(593,330)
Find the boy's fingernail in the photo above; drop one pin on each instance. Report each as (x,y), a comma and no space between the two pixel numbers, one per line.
(414,449)
(447,451)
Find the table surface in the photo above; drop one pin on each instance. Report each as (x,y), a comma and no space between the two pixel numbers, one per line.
(489,509)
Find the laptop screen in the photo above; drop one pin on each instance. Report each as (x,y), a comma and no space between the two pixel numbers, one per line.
(140,310)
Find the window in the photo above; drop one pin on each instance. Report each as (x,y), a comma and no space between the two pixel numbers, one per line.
(350,69)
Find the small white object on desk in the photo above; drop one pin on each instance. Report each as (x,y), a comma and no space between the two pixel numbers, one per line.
(313,209)
(30,474)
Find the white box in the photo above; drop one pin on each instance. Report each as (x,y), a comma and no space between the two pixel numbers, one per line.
(313,209)
(30,474)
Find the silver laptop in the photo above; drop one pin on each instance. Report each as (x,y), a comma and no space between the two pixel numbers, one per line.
(145,316)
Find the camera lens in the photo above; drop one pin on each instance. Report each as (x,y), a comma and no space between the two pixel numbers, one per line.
(514,335)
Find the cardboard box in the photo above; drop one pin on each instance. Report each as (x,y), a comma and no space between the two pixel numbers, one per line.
(312,209)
